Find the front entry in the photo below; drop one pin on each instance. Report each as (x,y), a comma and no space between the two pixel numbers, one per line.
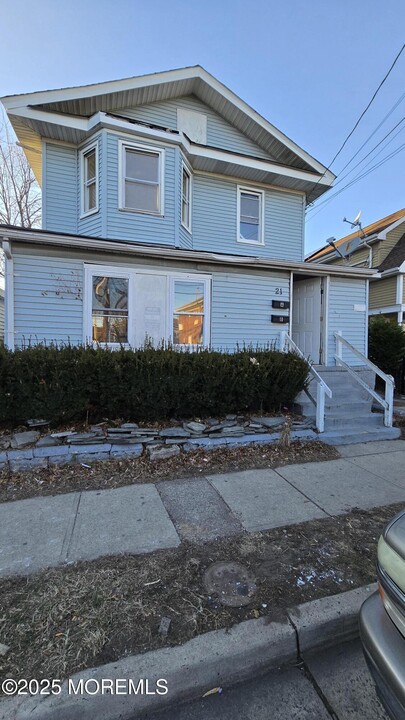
(306,317)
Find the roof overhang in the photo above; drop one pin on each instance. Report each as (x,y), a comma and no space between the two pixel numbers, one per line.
(10,234)
(62,115)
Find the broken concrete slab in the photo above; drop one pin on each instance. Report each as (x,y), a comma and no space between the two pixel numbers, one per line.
(22,439)
(33,532)
(261,500)
(196,509)
(130,519)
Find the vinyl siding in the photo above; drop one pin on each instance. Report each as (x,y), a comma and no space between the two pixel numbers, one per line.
(138,227)
(220,133)
(48,304)
(91,225)
(215,221)
(60,189)
(383,293)
(1,318)
(344,294)
(359,256)
(241,308)
(385,246)
(185,237)
(49,298)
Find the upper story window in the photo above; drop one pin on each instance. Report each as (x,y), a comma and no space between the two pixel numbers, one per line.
(186,198)
(250,216)
(142,180)
(89,174)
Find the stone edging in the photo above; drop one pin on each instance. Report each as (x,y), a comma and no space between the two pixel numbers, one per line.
(220,657)
(43,457)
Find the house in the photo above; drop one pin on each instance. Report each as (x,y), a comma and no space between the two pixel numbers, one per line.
(1,315)
(172,211)
(380,245)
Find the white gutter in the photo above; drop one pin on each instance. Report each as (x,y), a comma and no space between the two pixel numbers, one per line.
(88,244)
(9,295)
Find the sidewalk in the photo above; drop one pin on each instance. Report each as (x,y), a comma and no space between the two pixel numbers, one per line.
(51,531)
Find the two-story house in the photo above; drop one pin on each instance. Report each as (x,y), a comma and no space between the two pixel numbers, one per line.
(174,212)
(380,245)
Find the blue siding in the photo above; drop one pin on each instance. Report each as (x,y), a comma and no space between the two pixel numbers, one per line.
(241,308)
(123,225)
(215,214)
(60,189)
(220,133)
(91,225)
(48,302)
(344,294)
(185,237)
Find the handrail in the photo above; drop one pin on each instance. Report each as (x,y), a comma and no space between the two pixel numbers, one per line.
(322,388)
(388,402)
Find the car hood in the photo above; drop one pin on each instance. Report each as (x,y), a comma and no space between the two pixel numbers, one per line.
(394,534)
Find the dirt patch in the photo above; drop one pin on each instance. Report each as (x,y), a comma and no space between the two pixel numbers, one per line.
(116,473)
(64,620)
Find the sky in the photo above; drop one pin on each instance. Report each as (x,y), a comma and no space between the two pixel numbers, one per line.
(309,66)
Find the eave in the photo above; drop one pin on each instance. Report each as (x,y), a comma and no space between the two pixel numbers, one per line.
(27,236)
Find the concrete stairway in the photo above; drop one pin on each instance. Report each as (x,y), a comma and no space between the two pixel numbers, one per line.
(348,416)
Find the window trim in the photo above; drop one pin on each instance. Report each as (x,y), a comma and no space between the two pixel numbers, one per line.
(261,194)
(108,271)
(123,146)
(185,169)
(191,277)
(85,151)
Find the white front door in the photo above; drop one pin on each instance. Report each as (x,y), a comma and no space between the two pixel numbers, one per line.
(306,317)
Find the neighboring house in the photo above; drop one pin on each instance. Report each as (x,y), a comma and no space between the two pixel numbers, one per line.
(380,245)
(173,211)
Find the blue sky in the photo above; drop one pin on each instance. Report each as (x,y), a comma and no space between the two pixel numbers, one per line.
(308,66)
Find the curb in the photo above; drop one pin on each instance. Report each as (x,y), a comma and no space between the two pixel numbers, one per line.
(216,658)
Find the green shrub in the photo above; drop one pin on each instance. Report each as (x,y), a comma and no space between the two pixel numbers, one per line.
(386,344)
(65,384)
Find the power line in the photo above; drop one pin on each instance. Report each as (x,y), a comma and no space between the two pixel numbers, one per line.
(359,177)
(360,118)
(314,207)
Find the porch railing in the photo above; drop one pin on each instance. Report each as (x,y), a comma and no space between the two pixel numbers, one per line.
(322,389)
(388,401)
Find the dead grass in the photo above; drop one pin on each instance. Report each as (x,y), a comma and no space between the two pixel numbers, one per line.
(66,619)
(116,473)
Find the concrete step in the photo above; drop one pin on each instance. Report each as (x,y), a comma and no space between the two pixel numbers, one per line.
(361,422)
(352,436)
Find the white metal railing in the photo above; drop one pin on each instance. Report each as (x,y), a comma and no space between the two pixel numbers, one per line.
(388,401)
(322,388)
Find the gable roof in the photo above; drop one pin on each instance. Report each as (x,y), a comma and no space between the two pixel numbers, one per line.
(64,114)
(396,257)
(372,229)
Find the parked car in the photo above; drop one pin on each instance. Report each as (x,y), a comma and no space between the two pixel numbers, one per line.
(382,620)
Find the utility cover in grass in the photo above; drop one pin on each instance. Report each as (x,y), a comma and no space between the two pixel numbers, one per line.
(231,582)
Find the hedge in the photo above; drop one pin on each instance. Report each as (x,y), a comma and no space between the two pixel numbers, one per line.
(66,384)
(386,344)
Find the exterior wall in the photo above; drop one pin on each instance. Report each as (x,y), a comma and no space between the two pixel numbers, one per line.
(347,313)
(385,246)
(92,224)
(49,294)
(215,221)
(1,317)
(359,256)
(383,293)
(220,133)
(60,184)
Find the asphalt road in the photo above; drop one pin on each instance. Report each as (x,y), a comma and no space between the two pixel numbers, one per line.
(331,684)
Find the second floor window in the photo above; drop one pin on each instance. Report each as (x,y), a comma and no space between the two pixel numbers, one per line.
(142,183)
(250,216)
(186,199)
(89,175)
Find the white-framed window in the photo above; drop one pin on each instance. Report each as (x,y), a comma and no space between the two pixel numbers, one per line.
(89,180)
(141,179)
(108,300)
(250,216)
(190,311)
(186,194)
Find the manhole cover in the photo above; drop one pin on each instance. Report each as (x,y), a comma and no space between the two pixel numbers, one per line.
(231,582)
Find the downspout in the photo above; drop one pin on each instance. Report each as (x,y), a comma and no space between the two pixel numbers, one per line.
(9,295)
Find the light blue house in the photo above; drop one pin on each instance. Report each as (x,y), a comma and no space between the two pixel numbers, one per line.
(172,211)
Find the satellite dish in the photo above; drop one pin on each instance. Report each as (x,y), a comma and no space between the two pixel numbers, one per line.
(357,218)
(348,247)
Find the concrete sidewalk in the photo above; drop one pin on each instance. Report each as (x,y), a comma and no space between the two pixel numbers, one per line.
(51,531)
